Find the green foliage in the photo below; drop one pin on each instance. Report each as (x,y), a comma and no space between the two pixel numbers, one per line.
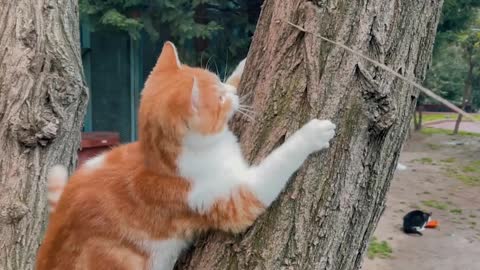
(219,31)
(379,249)
(115,19)
(424,160)
(435,204)
(469,175)
(449,160)
(457,40)
(471,180)
(473,167)
(434,146)
(134,15)
(457,14)
(448,72)
(456,211)
(429,117)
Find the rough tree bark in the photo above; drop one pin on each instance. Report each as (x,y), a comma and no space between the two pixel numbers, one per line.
(326,215)
(42,102)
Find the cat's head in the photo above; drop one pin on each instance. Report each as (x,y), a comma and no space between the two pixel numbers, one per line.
(427,216)
(178,99)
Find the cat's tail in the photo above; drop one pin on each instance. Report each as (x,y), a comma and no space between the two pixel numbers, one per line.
(57,178)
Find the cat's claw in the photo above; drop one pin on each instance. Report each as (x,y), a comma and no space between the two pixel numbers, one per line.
(319,133)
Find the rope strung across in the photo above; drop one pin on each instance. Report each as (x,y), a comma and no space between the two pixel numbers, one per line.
(426,91)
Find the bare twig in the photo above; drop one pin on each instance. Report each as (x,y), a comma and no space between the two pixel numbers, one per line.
(426,91)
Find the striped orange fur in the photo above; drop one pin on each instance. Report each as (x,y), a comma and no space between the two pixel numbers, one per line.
(140,204)
(107,211)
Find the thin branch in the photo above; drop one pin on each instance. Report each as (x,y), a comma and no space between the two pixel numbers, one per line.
(426,91)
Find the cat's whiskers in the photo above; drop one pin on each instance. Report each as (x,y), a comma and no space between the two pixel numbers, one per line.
(246,106)
(207,66)
(216,68)
(244,97)
(226,68)
(251,118)
(247,110)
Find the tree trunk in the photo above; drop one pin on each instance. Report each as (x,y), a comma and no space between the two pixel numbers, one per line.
(458,121)
(418,120)
(42,104)
(327,213)
(467,92)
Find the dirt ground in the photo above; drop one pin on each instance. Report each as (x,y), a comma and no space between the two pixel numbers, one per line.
(442,176)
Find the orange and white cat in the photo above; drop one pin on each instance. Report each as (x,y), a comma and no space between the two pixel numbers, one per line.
(139,205)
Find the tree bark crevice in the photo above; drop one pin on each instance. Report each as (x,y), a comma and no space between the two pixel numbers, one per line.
(42,103)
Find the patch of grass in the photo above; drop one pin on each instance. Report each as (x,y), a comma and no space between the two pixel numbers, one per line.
(471,180)
(379,249)
(425,160)
(469,175)
(473,167)
(435,204)
(434,146)
(427,192)
(456,211)
(472,216)
(429,117)
(469,169)
(451,171)
(468,134)
(449,160)
(432,131)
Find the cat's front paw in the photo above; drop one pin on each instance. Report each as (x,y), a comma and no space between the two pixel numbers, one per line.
(318,133)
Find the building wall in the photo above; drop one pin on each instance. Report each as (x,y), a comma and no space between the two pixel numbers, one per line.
(116,68)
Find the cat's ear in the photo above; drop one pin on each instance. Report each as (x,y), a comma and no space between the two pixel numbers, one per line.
(195,95)
(236,76)
(168,59)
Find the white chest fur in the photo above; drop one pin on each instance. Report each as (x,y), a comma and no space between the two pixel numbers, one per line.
(164,253)
(214,165)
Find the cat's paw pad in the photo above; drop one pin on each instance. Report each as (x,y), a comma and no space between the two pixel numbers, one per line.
(319,133)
